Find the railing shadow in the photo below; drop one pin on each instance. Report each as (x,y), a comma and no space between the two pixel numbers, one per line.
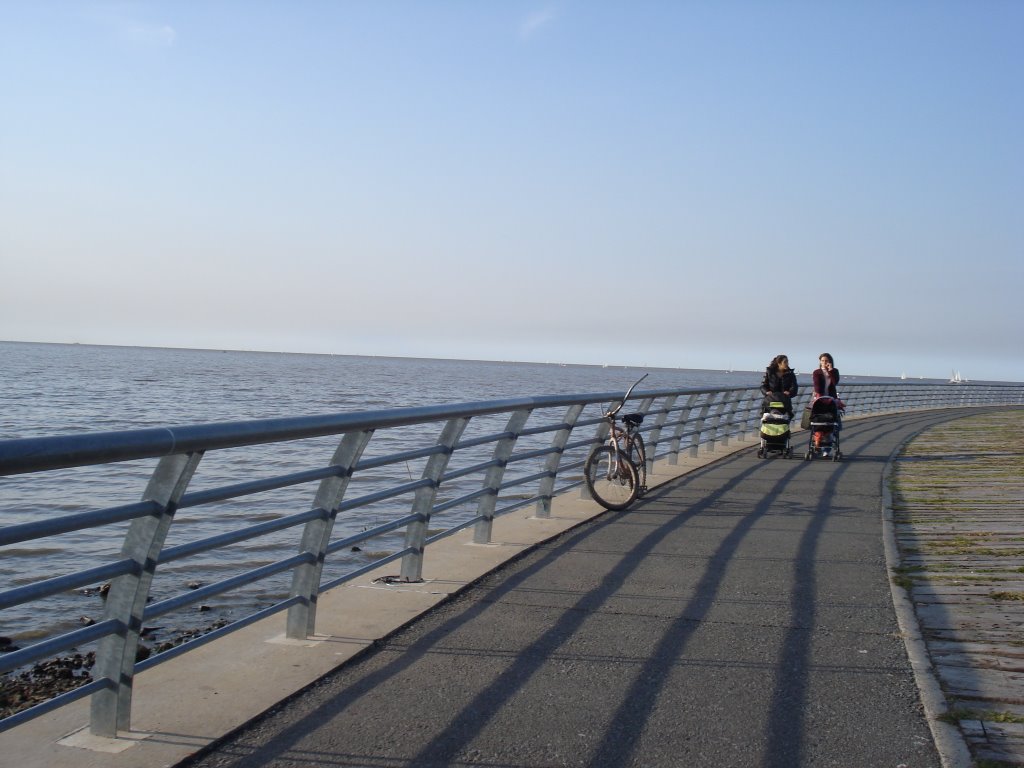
(475,715)
(618,747)
(636,704)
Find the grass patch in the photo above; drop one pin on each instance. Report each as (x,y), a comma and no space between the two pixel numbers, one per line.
(905,582)
(977,581)
(909,568)
(957,548)
(956,714)
(1007,595)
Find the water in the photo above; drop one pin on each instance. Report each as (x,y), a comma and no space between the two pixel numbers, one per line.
(54,389)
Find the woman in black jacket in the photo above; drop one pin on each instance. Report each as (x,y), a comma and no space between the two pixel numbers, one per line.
(779,383)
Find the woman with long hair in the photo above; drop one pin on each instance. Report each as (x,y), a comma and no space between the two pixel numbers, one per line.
(825,376)
(779,382)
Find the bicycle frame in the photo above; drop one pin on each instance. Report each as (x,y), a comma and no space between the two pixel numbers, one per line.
(620,438)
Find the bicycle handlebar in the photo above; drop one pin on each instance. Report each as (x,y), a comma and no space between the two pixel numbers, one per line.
(612,411)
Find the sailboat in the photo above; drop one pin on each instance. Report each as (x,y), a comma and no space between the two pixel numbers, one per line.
(956,378)
(903,376)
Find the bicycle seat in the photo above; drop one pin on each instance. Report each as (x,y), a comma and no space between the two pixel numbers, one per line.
(633,419)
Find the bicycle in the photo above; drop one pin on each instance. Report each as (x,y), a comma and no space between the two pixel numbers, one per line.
(616,471)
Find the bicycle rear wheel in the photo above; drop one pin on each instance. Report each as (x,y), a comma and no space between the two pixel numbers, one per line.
(638,455)
(611,478)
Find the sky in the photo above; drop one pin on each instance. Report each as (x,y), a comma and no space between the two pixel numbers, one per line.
(674,184)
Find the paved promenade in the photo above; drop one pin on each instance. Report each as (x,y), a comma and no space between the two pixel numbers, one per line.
(739,616)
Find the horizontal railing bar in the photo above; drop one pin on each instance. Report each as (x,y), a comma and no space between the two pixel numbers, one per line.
(471,470)
(493,438)
(58,701)
(395,458)
(370,498)
(401,522)
(40,589)
(525,479)
(15,534)
(452,503)
(35,454)
(572,465)
(213,634)
(451,531)
(576,444)
(518,505)
(534,454)
(481,440)
(568,487)
(211,495)
(242,534)
(445,506)
(543,430)
(55,645)
(217,588)
(365,569)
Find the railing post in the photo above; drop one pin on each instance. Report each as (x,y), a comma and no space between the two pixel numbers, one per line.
(800,403)
(110,709)
(677,436)
(701,418)
(600,435)
(645,407)
(546,488)
(717,421)
(745,414)
(492,480)
(867,402)
(655,434)
(870,402)
(730,405)
(423,501)
(889,400)
(316,535)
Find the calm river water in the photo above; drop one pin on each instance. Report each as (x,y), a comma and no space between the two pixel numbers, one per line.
(52,389)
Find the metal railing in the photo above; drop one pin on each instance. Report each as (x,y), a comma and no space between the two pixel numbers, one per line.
(525,452)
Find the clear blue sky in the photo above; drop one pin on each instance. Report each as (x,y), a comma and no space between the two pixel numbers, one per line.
(683,184)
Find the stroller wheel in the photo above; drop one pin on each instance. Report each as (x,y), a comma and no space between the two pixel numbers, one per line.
(760,453)
(807,456)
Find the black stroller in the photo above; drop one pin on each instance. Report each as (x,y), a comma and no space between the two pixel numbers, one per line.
(824,428)
(775,431)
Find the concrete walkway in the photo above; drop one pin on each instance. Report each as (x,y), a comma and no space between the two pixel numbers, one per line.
(739,615)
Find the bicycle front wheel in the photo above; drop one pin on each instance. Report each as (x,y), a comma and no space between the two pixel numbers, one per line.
(638,455)
(611,478)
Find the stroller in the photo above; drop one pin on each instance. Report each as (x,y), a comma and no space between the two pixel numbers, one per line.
(775,431)
(823,430)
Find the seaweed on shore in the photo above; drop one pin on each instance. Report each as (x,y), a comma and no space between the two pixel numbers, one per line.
(21,690)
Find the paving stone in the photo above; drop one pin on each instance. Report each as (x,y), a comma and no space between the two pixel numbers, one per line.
(959,515)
